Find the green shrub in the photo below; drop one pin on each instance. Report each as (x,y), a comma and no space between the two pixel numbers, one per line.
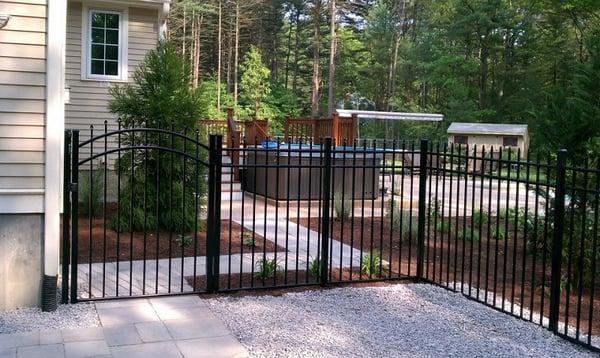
(469,235)
(90,194)
(314,269)
(266,268)
(184,241)
(479,216)
(370,263)
(343,208)
(248,240)
(498,232)
(435,210)
(444,226)
(160,96)
(402,221)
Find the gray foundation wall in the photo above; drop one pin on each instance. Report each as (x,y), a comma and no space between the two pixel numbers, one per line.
(21,238)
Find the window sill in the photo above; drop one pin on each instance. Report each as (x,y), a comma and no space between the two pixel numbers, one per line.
(110,80)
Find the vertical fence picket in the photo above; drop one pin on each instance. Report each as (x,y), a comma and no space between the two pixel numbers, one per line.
(557,240)
(213,233)
(74,211)
(66,244)
(325,213)
(422,207)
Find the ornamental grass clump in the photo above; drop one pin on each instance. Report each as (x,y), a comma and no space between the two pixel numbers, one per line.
(161,96)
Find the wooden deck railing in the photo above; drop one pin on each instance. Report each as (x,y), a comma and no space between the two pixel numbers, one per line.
(341,129)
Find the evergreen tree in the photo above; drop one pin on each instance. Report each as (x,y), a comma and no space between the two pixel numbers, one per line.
(254,85)
(161,96)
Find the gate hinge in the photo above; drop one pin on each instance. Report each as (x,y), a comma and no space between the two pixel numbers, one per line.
(73,187)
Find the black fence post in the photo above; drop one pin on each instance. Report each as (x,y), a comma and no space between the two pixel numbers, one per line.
(214,213)
(74,211)
(557,239)
(66,244)
(326,185)
(424,152)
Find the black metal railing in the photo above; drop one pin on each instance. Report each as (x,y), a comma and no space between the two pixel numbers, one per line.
(516,234)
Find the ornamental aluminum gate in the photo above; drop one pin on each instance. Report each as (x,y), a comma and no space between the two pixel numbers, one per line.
(138,211)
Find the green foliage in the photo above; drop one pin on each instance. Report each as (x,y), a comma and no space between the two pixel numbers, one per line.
(159,97)
(469,235)
(444,226)
(314,269)
(479,216)
(207,92)
(248,240)
(254,84)
(370,263)
(90,194)
(498,232)
(266,268)
(184,241)
(343,207)
(402,221)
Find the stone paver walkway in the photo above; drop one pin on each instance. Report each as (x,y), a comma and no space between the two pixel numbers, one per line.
(181,326)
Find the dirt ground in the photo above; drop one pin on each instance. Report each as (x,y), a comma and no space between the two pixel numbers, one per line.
(152,245)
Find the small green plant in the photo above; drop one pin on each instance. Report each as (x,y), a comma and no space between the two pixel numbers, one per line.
(184,241)
(91,187)
(402,221)
(314,269)
(343,207)
(435,208)
(498,232)
(479,216)
(469,235)
(443,226)
(370,263)
(266,268)
(248,240)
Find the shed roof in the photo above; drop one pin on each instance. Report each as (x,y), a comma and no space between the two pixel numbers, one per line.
(488,128)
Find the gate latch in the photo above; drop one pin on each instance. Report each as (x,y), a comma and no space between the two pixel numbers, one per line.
(73,187)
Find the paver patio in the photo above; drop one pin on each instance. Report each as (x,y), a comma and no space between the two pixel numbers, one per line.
(178,326)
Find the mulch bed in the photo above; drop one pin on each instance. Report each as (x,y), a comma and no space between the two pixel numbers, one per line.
(277,284)
(449,249)
(144,245)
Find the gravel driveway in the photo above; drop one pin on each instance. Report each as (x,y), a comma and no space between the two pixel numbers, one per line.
(412,320)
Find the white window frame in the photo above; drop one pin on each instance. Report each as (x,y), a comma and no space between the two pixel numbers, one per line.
(86,43)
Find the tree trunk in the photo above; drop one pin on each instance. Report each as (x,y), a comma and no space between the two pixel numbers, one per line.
(219,63)
(332,46)
(236,52)
(314,99)
(229,54)
(296,45)
(483,63)
(183,35)
(287,56)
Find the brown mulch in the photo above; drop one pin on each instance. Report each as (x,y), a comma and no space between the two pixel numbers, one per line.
(476,269)
(168,243)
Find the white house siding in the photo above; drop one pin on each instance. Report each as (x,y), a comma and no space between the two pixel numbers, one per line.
(89,98)
(22,106)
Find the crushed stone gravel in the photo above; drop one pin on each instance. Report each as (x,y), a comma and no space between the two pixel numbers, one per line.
(65,317)
(400,320)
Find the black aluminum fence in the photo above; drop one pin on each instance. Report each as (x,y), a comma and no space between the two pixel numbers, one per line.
(516,234)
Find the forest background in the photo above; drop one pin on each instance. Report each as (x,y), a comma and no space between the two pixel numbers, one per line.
(499,61)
